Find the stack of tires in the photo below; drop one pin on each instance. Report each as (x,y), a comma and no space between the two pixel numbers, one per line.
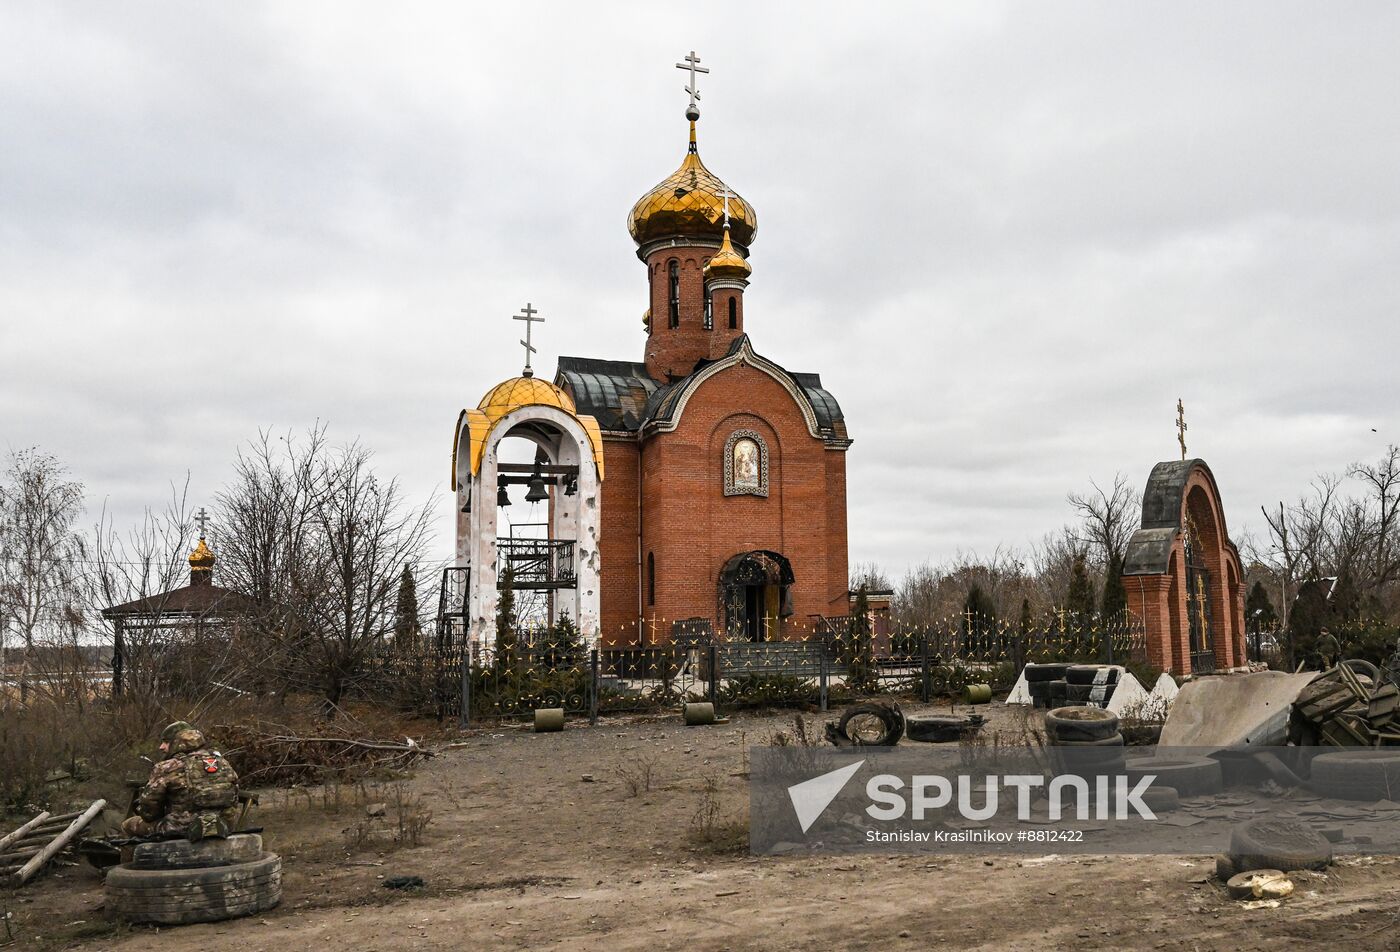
(1062,685)
(1040,677)
(1084,741)
(176,882)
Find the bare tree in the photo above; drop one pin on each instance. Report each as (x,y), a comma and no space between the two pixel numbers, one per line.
(319,542)
(1382,516)
(1108,518)
(40,553)
(871,575)
(1053,562)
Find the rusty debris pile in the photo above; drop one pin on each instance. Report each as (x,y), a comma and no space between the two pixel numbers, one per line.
(1345,707)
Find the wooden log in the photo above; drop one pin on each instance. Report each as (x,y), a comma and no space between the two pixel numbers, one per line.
(59,843)
(9,838)
(1353,684)
(18,856)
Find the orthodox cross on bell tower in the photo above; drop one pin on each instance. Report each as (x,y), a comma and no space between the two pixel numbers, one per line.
(692,65)
(202,518)
(1181,426)
(527,314)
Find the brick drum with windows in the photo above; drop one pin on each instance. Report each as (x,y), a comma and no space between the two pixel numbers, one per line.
(724,508)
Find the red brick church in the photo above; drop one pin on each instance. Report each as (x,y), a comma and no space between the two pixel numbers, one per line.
(724,505)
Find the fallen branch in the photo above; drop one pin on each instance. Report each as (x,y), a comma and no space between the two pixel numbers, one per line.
(407,748)
(17,835)
(59,843)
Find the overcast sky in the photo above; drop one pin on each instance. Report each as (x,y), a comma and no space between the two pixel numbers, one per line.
(1008,236)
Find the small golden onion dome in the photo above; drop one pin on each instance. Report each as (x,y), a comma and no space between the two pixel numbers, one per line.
(523,392)
(689,203)
(202,559)
(727,263)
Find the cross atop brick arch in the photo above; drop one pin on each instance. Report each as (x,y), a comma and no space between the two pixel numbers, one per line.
(1183,574)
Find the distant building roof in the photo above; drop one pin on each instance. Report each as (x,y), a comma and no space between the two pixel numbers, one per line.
(199,600)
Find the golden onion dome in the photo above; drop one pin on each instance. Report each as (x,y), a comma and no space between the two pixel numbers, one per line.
(202,559)
(689,203)
(727,263)
(523,392)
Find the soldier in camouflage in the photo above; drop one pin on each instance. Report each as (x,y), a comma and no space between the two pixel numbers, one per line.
(192,793)
(1328,650)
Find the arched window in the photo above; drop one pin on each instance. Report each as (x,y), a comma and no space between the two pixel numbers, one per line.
(733,313)
(675,271)
(709,311)
(651,578)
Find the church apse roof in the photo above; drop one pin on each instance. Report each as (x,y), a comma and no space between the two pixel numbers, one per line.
(614,392)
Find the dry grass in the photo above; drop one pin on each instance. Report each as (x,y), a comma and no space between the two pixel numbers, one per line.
(637,775)
(800,736)
(712,828)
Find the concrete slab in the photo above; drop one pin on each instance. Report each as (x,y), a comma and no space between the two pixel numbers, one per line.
(1128,693)
(1020,693)
(1234,710)
(1165,689)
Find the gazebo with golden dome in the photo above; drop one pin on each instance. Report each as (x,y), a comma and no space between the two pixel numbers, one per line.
(201,607)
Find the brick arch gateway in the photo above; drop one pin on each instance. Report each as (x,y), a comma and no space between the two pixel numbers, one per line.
(1183,574)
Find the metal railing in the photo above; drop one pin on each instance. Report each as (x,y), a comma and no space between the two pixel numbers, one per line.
(538,563)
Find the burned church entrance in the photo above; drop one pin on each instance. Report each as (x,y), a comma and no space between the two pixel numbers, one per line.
(755,591)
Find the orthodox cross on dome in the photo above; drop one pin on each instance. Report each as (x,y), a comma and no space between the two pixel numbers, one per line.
(692,65)
(727,193)
(1181,427)
(527,314)
(202,518)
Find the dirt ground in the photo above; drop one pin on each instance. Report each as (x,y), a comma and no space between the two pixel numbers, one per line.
(538,842)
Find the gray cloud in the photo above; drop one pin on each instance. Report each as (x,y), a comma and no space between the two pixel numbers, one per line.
(1009,236)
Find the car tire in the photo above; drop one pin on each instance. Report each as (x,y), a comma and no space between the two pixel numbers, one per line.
(1086,673)
(1040,673)
(183,896)
(1190,776)
(858,717)
(1112,740)
(1058,689)
(1081,723)
(1278,844)
(1162,799)
(182,854)
(937,728)
(1357,775)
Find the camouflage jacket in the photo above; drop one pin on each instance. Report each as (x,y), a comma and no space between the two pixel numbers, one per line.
(194,780)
